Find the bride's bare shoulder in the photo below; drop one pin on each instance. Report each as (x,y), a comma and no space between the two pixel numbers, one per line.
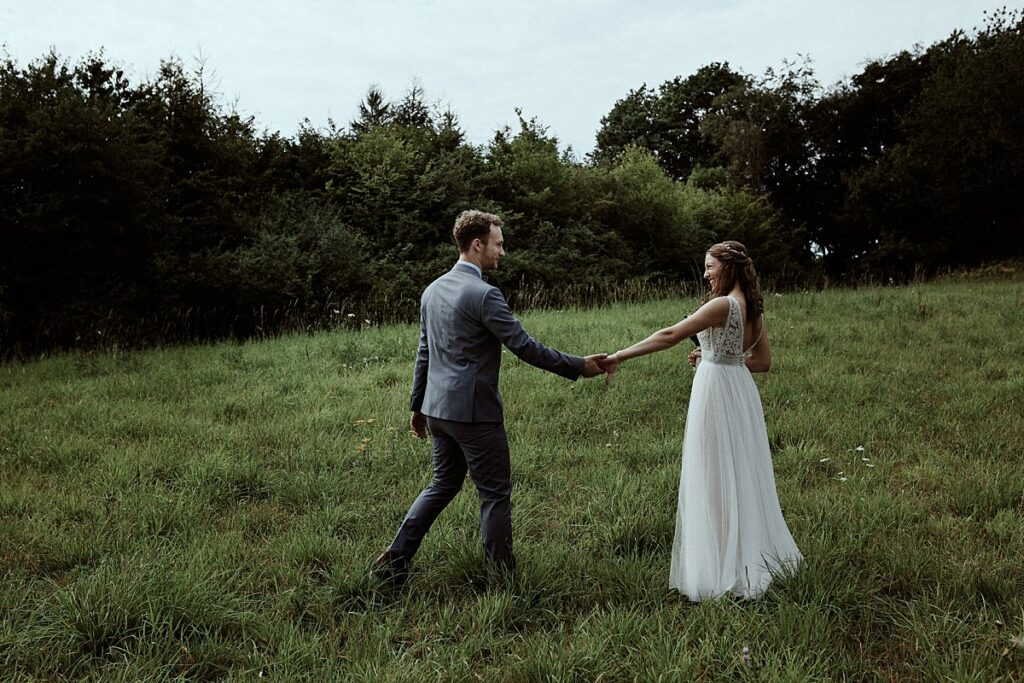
(715,311)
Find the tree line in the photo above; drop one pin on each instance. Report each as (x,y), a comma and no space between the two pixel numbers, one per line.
(151,213)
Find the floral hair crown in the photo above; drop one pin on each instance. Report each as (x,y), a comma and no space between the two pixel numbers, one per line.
(733,251)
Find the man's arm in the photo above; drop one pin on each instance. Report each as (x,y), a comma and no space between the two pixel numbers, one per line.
(418,423)
(498,318)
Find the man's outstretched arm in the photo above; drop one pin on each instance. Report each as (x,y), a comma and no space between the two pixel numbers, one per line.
(499,319)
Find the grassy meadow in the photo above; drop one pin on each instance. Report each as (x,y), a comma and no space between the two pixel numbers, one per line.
(210,512)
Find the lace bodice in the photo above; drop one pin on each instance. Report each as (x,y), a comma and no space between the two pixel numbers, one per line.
(724,344)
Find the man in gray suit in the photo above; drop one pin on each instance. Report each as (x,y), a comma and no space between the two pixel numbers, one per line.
(463,324)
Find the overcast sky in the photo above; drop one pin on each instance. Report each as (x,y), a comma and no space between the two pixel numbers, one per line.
(565,62)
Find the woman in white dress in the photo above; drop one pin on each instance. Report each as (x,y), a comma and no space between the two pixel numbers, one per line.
(730,535)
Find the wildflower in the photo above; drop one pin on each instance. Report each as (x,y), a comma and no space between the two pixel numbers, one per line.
(859,449)
(824,459)
(350,315)
(867,464)
(842,478)
(746,655)
(366,321)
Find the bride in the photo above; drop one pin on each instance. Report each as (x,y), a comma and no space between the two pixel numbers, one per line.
(730,535)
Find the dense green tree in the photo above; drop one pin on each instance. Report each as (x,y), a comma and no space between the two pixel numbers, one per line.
(374,111)
(920,157)
(668,123)
(853,129)
(652,213)
(81,196)
(149,210)
(412,110)
(629,123)
(962,166)
(555,237)
(761,131)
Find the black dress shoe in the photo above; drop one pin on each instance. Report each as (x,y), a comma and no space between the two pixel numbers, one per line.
(391,567)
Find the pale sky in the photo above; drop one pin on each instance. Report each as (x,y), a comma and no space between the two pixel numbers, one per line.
(565,62)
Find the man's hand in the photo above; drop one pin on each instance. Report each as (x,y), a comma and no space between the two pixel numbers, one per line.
(693,358)
(610,364)
(418,424)
(592,366)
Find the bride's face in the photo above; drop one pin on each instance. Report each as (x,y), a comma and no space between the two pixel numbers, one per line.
(712,267)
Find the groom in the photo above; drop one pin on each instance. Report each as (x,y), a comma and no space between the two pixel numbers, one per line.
(463,324)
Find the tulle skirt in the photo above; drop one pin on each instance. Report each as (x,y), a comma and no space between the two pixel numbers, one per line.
(730,535)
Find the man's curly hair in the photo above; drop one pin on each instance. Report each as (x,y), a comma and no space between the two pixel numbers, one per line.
(471,225)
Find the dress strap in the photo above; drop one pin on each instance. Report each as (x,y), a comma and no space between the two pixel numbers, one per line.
(760,333)
(734,305)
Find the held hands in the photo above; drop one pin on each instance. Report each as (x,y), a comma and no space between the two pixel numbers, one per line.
(693,358)
(592,365)
(610,365)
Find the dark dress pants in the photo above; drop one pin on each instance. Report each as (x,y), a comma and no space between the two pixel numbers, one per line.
(482,449)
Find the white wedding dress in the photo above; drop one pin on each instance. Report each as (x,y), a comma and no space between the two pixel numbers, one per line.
(730,535)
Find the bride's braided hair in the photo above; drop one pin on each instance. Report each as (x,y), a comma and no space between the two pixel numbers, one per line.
(737,266)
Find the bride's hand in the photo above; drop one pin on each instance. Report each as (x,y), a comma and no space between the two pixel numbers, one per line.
(610,365)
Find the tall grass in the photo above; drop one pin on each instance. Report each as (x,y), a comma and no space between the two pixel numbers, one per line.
(210,512)
(198,325)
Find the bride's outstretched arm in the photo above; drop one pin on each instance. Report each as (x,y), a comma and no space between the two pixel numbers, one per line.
(714,312)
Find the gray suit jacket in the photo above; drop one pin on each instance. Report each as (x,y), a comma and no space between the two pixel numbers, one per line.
(463,323)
